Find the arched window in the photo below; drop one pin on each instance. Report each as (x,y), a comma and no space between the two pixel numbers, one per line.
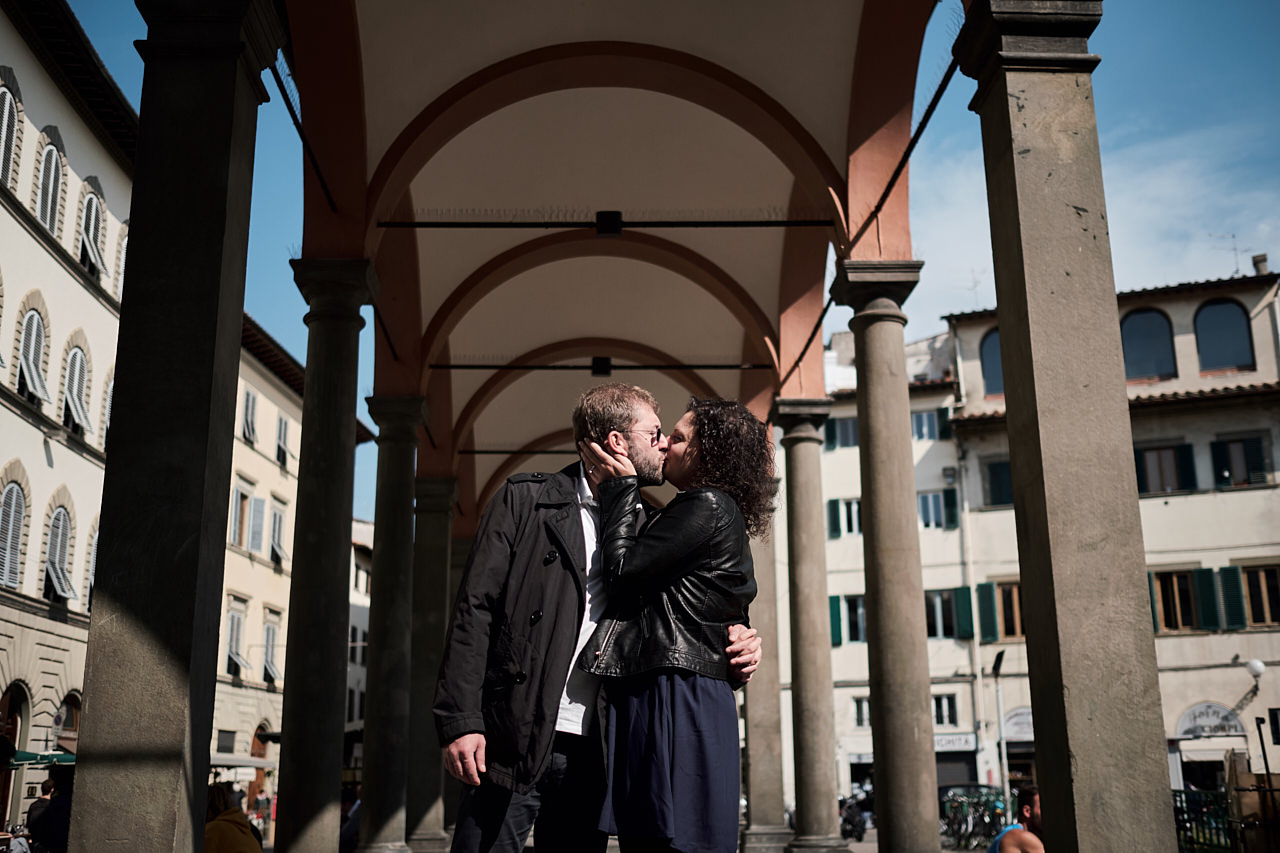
(50,187)
(8,132)
(67,723)
(13,511)
(106,416)
(30,371)
(1223,337)
(57,583)
(124,249)
(1147,338)
(992,371)
(90,234)
(75,413)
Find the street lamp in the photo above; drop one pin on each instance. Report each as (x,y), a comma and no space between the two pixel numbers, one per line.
(1255,668)
(1003,747)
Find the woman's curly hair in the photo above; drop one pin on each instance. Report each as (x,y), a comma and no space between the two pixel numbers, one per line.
(735,455)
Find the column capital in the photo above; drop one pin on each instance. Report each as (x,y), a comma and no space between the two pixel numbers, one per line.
(397,418)
(860,283)
(335,285)
(1005,35)
(436,494)
(801,418)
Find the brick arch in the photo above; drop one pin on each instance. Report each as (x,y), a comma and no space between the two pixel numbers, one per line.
(550,441)
(565,245)
(61,498)
(89,550)
(32,301)
(604,64)
(104,411)
(50,136)
(117,265)
(575,348)
(15,472)
(76,339)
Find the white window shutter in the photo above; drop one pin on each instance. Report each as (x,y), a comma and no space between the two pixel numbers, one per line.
(91,229)
(77,379)
(249,427)
(8,133)
(93,562)
(124,249)
(258,508)
(233,535)
(33,353)
(106,416)
(12,511)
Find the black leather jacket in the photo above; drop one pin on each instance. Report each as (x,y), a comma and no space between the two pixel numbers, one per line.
(674,588)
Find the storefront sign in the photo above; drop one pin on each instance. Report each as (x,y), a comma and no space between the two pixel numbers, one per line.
(962,742)
(1209,719)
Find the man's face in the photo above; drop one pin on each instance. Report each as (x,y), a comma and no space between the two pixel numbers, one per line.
(1032,815)
(647,446)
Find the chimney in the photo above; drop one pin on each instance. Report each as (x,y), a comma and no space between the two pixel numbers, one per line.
(1260,265)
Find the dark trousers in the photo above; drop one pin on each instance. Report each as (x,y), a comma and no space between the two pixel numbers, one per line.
(563,809)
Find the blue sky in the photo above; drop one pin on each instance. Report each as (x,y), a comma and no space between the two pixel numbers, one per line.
(1189,123)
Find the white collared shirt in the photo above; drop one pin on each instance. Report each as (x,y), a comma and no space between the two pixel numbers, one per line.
(577,703)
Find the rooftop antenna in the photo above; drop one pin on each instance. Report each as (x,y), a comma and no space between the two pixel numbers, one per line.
(1235,250)
(976,283)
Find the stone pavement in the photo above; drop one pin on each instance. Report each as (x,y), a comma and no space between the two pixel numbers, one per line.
(866,845)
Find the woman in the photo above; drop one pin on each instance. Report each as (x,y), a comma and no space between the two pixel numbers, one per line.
(676,582)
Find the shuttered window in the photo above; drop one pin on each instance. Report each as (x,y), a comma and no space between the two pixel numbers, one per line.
(833,603)
(944,710)
(270,633)
(1262,588)
(239,522)
(840,432)
(988,628)
(90,234)
(282,440)
(1165,469)
(924,426)
(939,613)
(50,187)
(855,608)
(57,583)
(106,416)
(999,483)
(8,133)
(249,417)
(257,518)
(278,554)
(862,712)
(75,414)
(30,372)
(124,251)
(237,665)
(93,572)
(1238,462)
(13,512)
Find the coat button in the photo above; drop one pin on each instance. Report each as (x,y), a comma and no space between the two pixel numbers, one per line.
(520,677)
(551,557)
(533,619)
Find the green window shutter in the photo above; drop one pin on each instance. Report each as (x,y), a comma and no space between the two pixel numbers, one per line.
(950,509)
(944,422)
(1221,456)
(829,434)
(1155,612)
(1142,470)
(1206,599)
(1254,462)
(999,483)
(988,632)
(964,612)
(834,602)
(1186,460)
(1232,598)
(833,519)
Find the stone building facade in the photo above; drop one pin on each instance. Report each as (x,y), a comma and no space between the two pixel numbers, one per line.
(1204,391)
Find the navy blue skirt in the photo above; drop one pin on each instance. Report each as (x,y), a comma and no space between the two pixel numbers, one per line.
(673,761)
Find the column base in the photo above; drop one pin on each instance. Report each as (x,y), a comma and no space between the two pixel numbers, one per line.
(766,839)
(829,843)
(430,842)
(384,847)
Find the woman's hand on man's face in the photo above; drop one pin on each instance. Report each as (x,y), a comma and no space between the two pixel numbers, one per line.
(602,465)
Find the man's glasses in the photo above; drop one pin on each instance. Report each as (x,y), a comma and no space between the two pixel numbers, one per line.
(654,437)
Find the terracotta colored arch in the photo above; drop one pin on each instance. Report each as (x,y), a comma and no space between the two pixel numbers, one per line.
(604,64)
(565,245)
(575,348)
(550,441)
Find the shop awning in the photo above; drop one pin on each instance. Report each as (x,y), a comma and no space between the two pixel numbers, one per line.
(22,758)
(241,761)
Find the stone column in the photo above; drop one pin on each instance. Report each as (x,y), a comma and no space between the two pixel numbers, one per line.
(1100,737)
(386,725)
(314,701)
(431,599)
(766,830)
(906,772)
(153,643)
(812,699)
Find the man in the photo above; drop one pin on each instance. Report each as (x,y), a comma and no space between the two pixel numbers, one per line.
(516,720)
(1023,836)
